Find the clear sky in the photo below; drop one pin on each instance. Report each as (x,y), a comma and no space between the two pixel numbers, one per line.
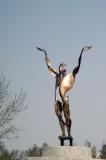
(62,27)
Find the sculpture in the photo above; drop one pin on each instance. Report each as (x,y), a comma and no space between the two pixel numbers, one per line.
(64,82)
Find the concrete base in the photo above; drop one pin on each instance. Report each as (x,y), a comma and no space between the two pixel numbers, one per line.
(64,153)
(54,158)
(74,152)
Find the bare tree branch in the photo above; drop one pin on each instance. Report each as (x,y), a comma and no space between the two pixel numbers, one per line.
(9,108)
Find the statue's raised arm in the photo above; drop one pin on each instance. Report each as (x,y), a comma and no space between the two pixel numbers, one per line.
(69,79)
(48,62)
(76,69)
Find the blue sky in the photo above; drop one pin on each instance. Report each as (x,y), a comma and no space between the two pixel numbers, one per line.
(62,28)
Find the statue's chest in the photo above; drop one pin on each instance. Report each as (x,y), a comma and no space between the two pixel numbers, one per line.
(67,81)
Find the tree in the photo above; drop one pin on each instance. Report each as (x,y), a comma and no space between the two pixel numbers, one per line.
(103,151)
(93,151)
(88,144)
(4,154)
(10,106)
(10,155)
(93,148)
(33,152)
(45,144)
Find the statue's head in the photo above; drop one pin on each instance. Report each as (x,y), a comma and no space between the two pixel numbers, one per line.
(62,68)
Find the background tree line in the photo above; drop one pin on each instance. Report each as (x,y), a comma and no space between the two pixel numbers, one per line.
(36,151)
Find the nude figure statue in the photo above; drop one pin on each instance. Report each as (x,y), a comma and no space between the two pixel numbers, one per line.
(64,82)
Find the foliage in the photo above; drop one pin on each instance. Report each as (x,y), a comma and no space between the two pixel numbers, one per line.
(94,151)
(103,151)
(88,144)
(33,152)
(45,144)
(93,148)
(4,154)
(41,149)
(9,108)
(10,155)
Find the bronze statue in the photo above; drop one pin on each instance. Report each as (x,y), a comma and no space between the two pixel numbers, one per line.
(64,82)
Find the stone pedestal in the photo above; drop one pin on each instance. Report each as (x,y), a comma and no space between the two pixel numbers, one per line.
(64,153)
(67,152)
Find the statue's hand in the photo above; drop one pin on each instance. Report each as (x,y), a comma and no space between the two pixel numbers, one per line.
(43,50)
(86,48)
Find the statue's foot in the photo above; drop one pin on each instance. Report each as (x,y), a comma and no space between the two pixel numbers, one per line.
(70,136)
(63,135)
(69,133)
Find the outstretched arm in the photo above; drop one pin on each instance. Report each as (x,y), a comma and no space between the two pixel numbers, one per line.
(48,62)
(76,69)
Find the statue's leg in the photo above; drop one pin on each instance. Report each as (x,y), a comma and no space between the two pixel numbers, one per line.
(62,126)
(62,94)
(68,125)
(66,111)
(58,111)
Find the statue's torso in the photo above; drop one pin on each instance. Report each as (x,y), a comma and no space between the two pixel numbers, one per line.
(66,83)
